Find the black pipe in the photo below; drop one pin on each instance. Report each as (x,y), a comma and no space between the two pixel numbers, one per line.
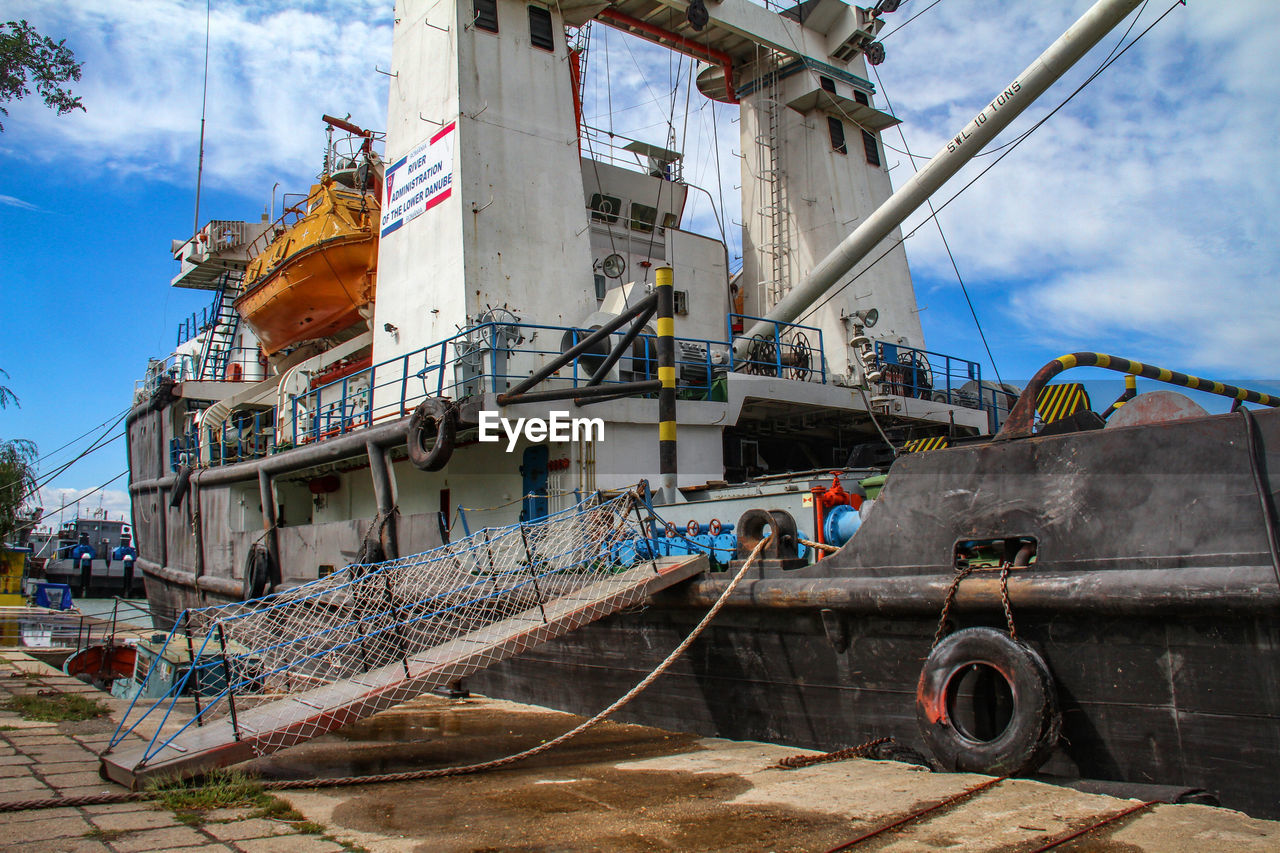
(623,389)
(577,349)
(384,495)
(636,328)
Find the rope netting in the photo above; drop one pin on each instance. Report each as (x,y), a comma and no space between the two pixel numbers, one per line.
(373,635)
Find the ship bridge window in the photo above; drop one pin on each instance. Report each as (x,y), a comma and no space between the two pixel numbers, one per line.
(540,34)
(487,15)
(643,217)
(861,97)
(871,147)
(605,208)
(836,128)
(828,84)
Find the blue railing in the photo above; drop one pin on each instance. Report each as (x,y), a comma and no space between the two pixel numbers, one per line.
(240,437)
(488,358)
(789,350)
(912,372)
(492,358)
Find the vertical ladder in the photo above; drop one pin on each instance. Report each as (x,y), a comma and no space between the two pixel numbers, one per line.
(773,211)
(223,325)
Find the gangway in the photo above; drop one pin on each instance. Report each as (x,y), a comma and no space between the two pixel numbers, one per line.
(281,670)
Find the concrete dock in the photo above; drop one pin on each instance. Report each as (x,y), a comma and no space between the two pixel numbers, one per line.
(615,788)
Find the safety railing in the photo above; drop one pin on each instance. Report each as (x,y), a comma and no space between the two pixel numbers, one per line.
(241,437)
(790,351)
(927,375)
(488,358)
(605,147)
(178,367)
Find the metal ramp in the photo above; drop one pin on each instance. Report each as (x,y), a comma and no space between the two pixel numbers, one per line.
(281,670)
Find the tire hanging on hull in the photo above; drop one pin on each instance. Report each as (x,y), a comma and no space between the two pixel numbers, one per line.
(433,430)
(1025,741)
(257,572)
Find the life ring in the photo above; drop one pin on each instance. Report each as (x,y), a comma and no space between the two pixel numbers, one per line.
(432,431)
(257,572)
(971,682)
(181,486)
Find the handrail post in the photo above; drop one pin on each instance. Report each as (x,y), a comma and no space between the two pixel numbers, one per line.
(226,675)
(191,660)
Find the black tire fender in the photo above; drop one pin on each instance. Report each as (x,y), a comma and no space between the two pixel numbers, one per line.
(180,487)
(433,430)
(257,572)
(1034,724)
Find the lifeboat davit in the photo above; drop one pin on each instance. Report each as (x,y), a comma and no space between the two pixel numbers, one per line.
(316,275)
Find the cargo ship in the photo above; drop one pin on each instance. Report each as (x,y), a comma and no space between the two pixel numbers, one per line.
(999,578)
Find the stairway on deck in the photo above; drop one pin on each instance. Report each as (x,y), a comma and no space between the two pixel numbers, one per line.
(298,717)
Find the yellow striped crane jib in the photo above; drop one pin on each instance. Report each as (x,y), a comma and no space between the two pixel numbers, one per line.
(1063,400)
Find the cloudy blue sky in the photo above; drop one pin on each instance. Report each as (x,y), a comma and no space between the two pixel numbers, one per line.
(1134,222)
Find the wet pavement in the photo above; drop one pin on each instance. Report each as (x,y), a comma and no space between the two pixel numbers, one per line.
(615,788)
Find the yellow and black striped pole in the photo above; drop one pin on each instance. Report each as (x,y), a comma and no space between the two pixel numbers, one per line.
(665,280)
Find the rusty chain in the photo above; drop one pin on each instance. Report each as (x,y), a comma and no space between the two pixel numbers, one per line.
(950,599)
(795,762)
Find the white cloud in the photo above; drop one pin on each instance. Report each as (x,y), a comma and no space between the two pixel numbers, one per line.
(1137,218)
(273,70)
(84,501)
(11,201)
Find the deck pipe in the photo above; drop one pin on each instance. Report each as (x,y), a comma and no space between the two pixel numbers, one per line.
(1092,26)
(1022,419)
(664,278)
(578,349)
(384,494)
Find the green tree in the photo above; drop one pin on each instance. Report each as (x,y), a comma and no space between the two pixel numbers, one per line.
(26,57)
(17,478)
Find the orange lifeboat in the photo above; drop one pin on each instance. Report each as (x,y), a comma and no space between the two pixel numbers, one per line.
(317,274)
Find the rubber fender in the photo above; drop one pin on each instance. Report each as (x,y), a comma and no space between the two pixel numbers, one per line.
(433,430)
(1034,721)
(181,487)
(257,572)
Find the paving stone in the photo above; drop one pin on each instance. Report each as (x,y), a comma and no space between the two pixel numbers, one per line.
(242,829)
(147,819)
(165,838)
(227,814)
(72,780)
(34,814)
(9,771)
(13,758)
(119,808)
(24,788)
(91,790)
(63,845)
(43,830)
(289,844)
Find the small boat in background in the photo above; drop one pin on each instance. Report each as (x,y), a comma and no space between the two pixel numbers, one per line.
(101,665)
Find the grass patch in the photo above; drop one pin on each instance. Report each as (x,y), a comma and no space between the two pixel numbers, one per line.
(107,834)
(219,789)
(8,728)
(59,708)
(189,800)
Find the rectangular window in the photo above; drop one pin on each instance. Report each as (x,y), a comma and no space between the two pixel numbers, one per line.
(827,83)
(602,286)
(836,129)
(605,208)
(487,15)
(540,34)
(861,97)
(643,217)
(872,148)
